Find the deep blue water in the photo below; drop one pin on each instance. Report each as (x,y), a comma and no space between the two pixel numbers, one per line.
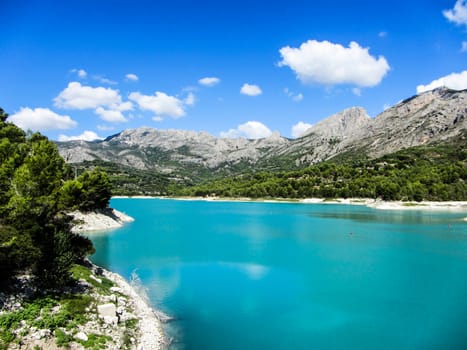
(296,276)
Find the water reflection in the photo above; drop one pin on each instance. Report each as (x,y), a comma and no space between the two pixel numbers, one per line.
(391,216)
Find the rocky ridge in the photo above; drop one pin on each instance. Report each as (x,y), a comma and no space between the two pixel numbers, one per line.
(439,115)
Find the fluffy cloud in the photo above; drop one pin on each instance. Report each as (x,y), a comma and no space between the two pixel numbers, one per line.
(209,81)
(85,136)
(132,77)
(327,63)
(113,116)
(300,128)
(456,81)
(458,14)
(160,103)
(251,90)
(124,106)
(77,96)
(249,130)
(41,119)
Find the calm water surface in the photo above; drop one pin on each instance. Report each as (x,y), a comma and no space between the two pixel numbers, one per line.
(296,276)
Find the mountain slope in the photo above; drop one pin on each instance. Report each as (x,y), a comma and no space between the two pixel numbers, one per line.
(438,116)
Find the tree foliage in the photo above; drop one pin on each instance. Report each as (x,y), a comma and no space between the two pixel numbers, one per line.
(91,190)
(36,192)
(437,173)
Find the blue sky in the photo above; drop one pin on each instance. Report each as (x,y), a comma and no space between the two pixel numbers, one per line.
(231,68)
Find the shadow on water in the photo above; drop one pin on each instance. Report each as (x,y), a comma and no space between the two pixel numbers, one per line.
(411,217)
(101,242)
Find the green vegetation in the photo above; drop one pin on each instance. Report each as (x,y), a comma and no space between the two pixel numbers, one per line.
(54,313)
(437,173)
(37,190)
(127,181)
(95,341)
(82,272)
(37,246)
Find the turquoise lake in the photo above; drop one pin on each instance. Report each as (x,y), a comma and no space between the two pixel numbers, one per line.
(296,276)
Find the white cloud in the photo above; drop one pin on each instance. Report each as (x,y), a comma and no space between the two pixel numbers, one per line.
(249,130)
(327,63)
(157,119)
(383,34)
(357,91)
(80,72)
(132,77)
(190,99)
(295,97)
(103,80)
(105,128)
(41,119)
(124,106)
(209,81)
(458,14)
(85,136)
(160,103)
(300,128)
(250,90)
(77,96)
(456,81)
(109,115)
(464,46)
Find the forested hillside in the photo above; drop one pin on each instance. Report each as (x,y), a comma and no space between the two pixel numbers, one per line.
(37,189)
(437,173)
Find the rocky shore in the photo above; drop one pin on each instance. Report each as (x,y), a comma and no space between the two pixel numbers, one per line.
(149,333)
(99,220)
(391,205)
(117,316)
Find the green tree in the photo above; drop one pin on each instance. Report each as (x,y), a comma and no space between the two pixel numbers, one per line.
(35,231)
(96,190)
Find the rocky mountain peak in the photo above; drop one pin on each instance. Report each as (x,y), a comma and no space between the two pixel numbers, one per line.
(341,124)
(439,115)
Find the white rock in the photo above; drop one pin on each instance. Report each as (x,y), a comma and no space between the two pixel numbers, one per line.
(44,333)
(113,320)
(115,289)
(107,310)
(81,336)
(98,280)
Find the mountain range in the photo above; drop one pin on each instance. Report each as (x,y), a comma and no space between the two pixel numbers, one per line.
(433,117)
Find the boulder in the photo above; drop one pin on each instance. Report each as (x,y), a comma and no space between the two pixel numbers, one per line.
(107,310)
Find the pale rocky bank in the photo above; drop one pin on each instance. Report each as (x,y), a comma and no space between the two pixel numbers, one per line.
(120,313)
(99,220)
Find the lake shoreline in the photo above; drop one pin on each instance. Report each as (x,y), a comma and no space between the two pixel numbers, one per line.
(149,319)
(151,334)
(372,203)
(98,220)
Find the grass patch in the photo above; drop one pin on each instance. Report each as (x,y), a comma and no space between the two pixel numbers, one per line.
(82,272)
(95,341)
(47,312)
(130,330)
(62,339)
